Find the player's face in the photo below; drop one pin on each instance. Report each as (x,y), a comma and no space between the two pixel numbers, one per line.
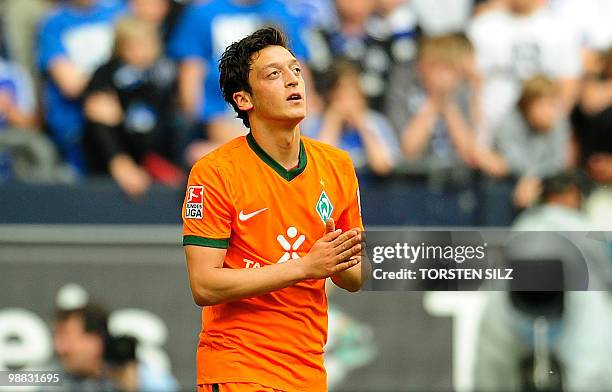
(277,85)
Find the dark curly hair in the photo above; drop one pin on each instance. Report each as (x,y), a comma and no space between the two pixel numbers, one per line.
(236,62)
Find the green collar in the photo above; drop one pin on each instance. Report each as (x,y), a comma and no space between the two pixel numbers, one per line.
(268,160)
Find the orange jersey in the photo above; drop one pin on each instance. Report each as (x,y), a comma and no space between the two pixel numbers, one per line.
(240,199)
(235,387)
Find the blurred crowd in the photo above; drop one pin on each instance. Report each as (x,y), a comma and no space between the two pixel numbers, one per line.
(93,358)
(516,90)
(500,90)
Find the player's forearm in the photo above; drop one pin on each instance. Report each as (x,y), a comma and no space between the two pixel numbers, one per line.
(218,285)
(350,279)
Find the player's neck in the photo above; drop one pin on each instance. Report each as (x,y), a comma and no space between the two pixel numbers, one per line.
(282,145)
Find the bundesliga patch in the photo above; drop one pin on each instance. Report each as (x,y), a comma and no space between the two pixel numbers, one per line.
(194,207)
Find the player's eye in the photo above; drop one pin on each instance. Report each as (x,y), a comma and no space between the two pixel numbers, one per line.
(297,70)
(273,74)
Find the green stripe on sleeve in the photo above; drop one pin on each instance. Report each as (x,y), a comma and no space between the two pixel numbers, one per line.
(220,243)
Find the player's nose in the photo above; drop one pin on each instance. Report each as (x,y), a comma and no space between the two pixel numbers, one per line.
(291,80)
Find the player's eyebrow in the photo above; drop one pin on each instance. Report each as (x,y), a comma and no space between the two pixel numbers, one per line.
(279,65)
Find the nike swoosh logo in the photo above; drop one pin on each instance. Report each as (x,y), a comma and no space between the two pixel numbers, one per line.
(243,217)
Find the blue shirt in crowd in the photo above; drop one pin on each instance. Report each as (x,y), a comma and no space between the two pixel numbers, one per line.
(207,28)
(351,142)
(17,85)
(85,37)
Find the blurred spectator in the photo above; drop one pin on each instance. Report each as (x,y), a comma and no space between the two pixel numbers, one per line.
(592,121)
(483,6)
(514,44)
(472,79)
(560,206)
(374,42)
(20,19)
(588,19)
(201,35)
(441,17)
(395,23)
(153,11)
(163,13)
(73,40)
(348,123)
(547,340)
(532,142)
(128,373)
(315,13)
(526,342)
(129,109)
(17,100)
(79,336)
(433,112)
(25,153)
(120,356)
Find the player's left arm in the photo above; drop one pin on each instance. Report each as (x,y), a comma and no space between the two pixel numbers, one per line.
(349,279)
(352,278)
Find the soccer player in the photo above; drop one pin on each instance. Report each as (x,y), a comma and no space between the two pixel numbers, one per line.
(267,218)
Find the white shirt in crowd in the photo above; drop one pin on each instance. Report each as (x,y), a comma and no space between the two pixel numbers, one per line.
(512,48)
(590,19)
(437,17)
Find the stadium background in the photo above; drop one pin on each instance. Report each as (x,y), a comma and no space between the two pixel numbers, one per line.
(125,253)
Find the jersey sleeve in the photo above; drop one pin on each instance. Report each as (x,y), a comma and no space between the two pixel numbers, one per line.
(208,208)
(351,216)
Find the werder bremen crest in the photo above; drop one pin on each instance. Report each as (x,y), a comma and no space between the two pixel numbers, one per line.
(324,207)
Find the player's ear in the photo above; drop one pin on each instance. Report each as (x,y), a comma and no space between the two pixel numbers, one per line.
(243,100)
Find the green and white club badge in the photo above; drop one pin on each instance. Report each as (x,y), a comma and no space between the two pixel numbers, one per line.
(324,207)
